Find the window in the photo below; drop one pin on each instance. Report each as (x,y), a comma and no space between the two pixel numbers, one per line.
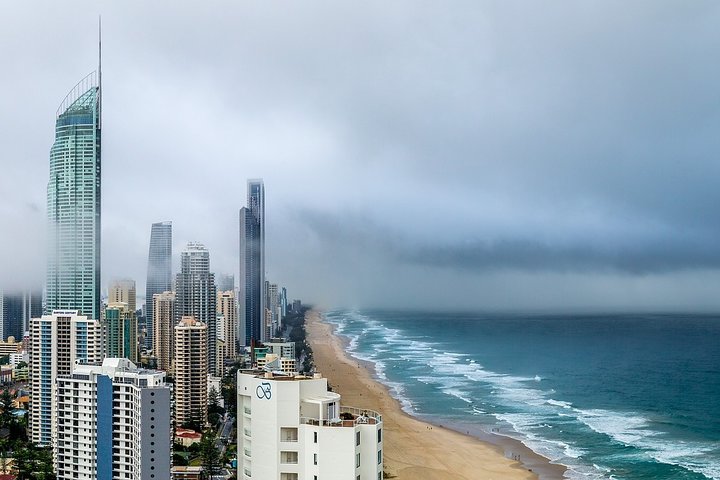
(289,457)
(357,438)
(357,461)
(314,437)
(379,435)
(379,457)
(288,434)
(314,458)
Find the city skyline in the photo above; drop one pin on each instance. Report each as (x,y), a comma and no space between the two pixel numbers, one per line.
(532,159)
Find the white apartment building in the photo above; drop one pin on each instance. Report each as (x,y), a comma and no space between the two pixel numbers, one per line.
(280,348)
(292,428)
(227,307)
(113,423)
(57,343)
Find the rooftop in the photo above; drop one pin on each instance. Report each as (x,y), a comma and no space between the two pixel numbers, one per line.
(349,417)
(280,376)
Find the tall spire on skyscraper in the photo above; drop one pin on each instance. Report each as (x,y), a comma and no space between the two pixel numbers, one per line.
(100,69)
(74,204)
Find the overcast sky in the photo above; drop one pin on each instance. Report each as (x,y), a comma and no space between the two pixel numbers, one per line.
(444,154)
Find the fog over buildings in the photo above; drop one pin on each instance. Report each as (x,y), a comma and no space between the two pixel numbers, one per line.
(414,154)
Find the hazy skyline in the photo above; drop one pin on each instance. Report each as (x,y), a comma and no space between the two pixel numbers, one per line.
(430,154)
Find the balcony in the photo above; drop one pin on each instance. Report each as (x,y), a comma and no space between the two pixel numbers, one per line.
(349,417)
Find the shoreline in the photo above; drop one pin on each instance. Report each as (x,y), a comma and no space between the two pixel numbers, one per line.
(418,448)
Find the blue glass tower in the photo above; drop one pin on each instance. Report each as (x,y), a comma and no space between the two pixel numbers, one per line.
(73,202)
(159,273)
(252,264)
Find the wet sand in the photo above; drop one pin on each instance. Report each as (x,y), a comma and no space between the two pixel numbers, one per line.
(413,449)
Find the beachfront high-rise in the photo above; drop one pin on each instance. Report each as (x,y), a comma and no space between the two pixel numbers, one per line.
(163,308)
(227,307)
(191,367)
(123,291)
(293,428)
(225,282)
(195,294)
(73,202)
(58,342)
(120,332)
(272,301)
(113,423)
(16,310)
(252,264)
(159,272)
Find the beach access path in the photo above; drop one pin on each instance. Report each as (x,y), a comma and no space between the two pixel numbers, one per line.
(413,450)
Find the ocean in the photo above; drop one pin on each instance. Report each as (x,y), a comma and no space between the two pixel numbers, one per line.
(613,396)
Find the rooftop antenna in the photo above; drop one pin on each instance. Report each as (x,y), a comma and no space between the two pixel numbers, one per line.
(100,70)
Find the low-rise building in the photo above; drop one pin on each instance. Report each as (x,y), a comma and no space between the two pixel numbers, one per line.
(187,473)
(291,428)
(187,437)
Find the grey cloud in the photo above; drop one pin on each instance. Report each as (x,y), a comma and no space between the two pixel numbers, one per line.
(398,141)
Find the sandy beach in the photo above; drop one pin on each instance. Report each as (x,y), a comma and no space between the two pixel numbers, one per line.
(415,450)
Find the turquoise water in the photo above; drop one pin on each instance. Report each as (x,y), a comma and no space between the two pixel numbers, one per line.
(609,396)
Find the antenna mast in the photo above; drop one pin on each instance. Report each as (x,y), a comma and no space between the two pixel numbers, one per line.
(100,70)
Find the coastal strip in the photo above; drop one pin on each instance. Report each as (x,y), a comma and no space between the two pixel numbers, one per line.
(415,450)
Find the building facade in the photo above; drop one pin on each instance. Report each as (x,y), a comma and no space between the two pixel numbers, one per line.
(272,300)
(159,272)
(195,294)
(191,371)
(58,342)
(123,291)
(120,332)
(252,264)
(228,308)
(113,423)
(292,428)
(164,327)
(73,202)
(16,310)
(225,282)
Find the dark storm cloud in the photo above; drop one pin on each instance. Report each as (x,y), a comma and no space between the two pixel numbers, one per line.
(635,256)
(490,143)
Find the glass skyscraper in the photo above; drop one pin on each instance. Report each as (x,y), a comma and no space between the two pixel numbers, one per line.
(159,272)
(196,295)
(73,202)
(252,264)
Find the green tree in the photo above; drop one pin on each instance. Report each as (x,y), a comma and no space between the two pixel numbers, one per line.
(209,455)
(214,408)
(6,416)
(34,463)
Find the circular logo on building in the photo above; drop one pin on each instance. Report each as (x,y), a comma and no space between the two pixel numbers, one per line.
(264,390)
